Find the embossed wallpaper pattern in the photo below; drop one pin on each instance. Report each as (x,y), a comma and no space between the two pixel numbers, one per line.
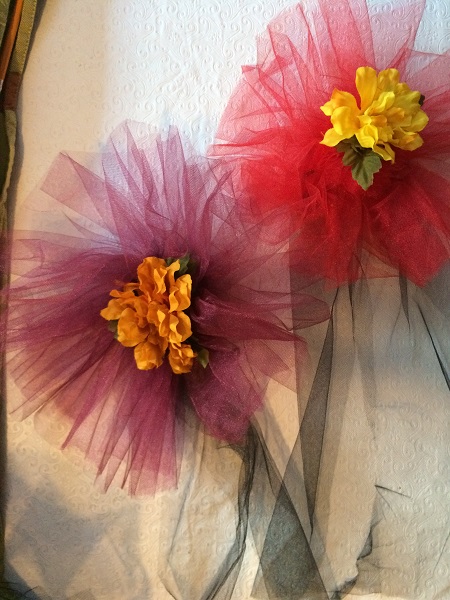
(92,65)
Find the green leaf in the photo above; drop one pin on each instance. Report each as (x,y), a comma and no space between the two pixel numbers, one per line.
(365,167)
(203,357)
(364,162)
(185,263)
(346,144)
(112,327)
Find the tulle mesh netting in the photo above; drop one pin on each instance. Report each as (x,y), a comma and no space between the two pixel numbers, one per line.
(273,125)
(358,507)
(149,201)
(340,485)
(357,504)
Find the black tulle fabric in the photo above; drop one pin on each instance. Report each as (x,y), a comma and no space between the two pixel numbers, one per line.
(370,516)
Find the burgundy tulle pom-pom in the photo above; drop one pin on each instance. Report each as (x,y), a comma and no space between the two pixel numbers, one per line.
(147,200)
(273,126)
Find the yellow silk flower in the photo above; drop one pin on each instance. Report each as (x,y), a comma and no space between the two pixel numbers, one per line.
(150,316)
(390,114)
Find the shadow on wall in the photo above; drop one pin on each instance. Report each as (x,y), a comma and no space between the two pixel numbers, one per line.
(55,542)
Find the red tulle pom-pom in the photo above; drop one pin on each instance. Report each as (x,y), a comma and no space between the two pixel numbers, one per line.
(273,126)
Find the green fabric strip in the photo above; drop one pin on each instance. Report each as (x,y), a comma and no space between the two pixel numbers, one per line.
(20,53)
(4,161)
(4,10)
(8,124)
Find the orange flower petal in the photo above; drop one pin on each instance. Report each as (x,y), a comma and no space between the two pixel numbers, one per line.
(148,356)
(128,331)
(180,327)
(113,311)
(180,293)
(181,358)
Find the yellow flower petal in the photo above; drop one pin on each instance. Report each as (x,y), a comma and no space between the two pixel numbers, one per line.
(367,136)
(366,84)
(388,80)
(409,142)
(390,114)
(419,121)
(382,104)
(386,152)
(331,138)
(345,122)
(338,100)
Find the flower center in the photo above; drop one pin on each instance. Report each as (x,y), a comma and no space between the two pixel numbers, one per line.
(389,115)
(150,316)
